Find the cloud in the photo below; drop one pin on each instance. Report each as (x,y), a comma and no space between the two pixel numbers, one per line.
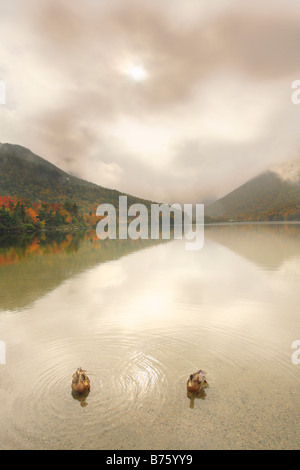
(215,107)
(289,171)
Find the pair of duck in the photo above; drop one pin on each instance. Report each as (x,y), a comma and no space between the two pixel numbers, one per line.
(81,383)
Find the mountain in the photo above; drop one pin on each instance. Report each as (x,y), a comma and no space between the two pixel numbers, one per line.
(25,175)
(265,197)
(28,176)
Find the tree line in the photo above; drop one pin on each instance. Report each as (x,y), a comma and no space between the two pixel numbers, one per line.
(18,214)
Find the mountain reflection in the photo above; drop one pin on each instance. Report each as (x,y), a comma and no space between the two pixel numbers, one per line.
(33,265)
(267,245)
(37,264)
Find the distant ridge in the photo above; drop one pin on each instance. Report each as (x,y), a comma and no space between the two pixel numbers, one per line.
(265,197)
(26,175)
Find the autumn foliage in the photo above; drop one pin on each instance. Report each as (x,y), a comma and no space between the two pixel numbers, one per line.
(18,214)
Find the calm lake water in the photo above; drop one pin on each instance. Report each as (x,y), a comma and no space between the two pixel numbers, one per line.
(140,317)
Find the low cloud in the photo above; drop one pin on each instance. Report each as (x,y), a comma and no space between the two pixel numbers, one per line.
(216,99)
(289,171)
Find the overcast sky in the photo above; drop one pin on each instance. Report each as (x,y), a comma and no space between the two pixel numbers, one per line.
(171,100)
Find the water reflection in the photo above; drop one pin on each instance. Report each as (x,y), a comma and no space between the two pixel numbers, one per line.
(192,397)
(37,264)
(139,325)
(81,398)
(268,245)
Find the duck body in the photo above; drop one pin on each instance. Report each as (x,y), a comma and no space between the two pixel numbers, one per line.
(80,382)
(196,382)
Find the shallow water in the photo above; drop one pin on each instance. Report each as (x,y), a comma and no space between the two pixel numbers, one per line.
(140,317)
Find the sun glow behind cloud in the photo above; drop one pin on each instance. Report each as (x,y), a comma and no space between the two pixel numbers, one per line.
(137,73)
(132,68)
(165,101)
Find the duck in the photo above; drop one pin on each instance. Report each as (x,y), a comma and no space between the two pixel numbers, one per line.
(80,382)
(196,382)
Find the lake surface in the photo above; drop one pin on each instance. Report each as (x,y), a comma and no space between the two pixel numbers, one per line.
(140,317)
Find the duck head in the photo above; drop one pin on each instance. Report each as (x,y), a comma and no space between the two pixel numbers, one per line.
(196,381)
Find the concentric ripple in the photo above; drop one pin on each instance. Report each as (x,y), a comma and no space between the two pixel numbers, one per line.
(120,386)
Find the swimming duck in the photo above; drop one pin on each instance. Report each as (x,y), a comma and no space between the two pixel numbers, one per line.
(196,381)
(80,382)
